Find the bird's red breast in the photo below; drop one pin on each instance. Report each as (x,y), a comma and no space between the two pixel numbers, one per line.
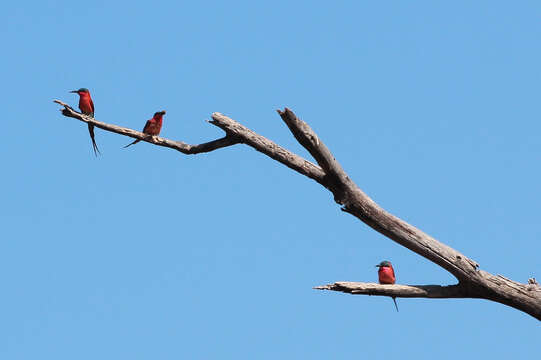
(85,103)
(386,275)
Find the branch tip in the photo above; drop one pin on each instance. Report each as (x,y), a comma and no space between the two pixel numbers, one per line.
(321,287)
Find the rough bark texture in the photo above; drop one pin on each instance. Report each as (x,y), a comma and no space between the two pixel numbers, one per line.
(472,282)
(411,291)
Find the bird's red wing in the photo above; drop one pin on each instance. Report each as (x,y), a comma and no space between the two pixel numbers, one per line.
(92,105)
(148,125)
(392,271)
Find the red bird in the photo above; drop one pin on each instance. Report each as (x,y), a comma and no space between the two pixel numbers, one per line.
(153,126)
(87,107)
(386,275)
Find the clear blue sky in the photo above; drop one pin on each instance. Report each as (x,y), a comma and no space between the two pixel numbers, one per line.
(143,253)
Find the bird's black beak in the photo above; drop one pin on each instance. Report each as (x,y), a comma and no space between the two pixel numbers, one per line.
(162,112)
(378,265)
(74,91)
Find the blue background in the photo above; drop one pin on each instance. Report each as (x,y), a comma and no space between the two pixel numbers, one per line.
(432,108)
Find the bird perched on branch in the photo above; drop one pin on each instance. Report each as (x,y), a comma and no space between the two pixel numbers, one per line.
(152,126)
(386,275)
(87,107)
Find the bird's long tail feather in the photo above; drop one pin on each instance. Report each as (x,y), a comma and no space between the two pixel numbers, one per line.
(92,137)
(396,306)
(130,144)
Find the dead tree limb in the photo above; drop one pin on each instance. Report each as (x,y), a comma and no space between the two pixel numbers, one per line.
(472,282)
(405,291)
(177,145)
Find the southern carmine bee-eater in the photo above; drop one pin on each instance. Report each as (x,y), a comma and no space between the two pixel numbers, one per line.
(386,275)
(152,127)
(87,107)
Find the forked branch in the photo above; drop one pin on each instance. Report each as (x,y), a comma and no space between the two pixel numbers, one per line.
(472,282)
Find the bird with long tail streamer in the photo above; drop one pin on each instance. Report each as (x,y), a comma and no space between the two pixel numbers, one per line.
(152,126)
(386,275)
(86,105)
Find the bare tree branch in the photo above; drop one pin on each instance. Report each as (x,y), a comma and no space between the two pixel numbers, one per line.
(472,282)
(356,202)
(404,291)
(184,148)
(269,148)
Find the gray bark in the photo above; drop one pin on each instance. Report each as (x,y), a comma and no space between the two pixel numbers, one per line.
(472,282)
